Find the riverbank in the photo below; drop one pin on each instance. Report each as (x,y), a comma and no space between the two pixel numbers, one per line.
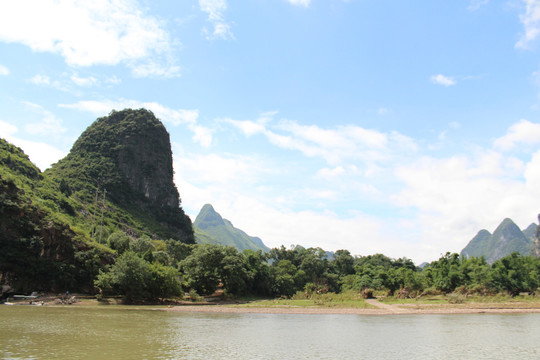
(375,307)
(487,305)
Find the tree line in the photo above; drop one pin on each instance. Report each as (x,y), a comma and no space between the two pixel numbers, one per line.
(147,269)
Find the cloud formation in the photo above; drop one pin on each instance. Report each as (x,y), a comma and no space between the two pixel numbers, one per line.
(444,80)
(49,125)
(445,200)
(215,9)
(3,70)
(86,33)
(333,145)
(304,3)
(41,154)
(531,23)
(523,132)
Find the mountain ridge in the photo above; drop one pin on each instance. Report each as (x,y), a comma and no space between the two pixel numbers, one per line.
(214,229)
(506,239)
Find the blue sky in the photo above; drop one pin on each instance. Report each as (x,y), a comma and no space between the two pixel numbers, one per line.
(398,127)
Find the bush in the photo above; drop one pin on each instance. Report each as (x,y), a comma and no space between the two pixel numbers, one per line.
(431,291)
(367,293)
(454,298)
(194,296)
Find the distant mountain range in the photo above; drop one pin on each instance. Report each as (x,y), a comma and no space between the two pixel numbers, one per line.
(211,228)
(506,239)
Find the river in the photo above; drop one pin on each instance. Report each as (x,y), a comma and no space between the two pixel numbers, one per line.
(118,332)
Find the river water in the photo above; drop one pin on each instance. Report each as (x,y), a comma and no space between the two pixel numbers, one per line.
(103,332)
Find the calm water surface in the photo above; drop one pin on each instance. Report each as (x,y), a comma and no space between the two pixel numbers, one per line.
(136,333)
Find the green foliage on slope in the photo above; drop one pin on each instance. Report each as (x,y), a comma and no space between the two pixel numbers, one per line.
(211,228)
(505,240)
(61,227)
(41,248)
(121,167)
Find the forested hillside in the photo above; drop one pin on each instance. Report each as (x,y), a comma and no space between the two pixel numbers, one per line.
(113,191)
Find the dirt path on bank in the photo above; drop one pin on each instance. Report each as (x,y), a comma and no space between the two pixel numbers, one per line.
(394,309)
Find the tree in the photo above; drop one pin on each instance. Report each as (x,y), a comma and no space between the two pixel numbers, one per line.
(516,273)
(343,263)
(283,278)
(210,264)
(445,274)
(136,279)
(119,241)
(164,281)
(130,276)
(142,245)
(258,279)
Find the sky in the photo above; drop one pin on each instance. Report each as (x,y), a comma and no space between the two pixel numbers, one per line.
(394,127)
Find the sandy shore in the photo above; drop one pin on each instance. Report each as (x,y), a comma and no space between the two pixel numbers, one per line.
(377,309)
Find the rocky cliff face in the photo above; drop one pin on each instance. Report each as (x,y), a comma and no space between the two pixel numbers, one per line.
(128,155)
(144,158)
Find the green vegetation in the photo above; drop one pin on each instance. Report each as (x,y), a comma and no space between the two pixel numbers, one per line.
(114,191)
(107,220)
(506,239)
(211,228)
(348,299)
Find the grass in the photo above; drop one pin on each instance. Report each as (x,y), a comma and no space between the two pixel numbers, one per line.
(462,299)
(328,300)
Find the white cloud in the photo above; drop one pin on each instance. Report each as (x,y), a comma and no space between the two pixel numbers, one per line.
(86,33)
(337,145)
(49,125)
(531,23)
(444,80)
(215,10)
(40,80)
(83,81)
(41,154)
(202,178)
(202,135)
(304,3)
(113,80)
(175,117)
(249,128)
(328,173)
(44,80)
(523,132)
(7,129)
(3,70)
(444,201)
